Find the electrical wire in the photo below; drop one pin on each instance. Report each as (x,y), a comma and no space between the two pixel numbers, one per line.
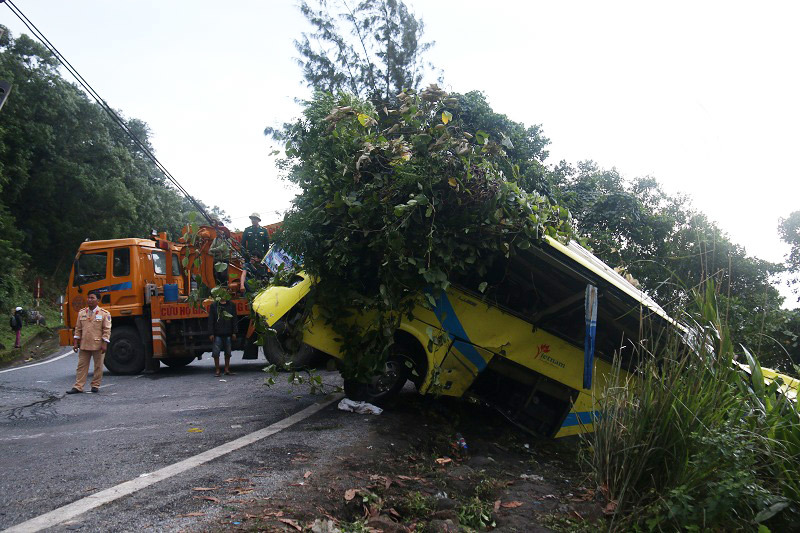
(109,111)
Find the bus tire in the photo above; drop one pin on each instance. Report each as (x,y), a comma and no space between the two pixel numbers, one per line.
(385,386)
(125,354)
(284,358)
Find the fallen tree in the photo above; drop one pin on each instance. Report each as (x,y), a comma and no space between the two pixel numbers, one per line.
(398,202)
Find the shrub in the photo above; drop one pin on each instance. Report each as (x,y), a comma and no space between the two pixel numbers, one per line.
(690,441)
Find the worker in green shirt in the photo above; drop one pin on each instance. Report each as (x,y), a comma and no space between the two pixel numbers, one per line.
(255,240)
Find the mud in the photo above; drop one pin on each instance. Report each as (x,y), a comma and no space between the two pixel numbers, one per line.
(410,473)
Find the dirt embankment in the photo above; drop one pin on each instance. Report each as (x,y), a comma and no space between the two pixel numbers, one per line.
(409,473)
(41,344)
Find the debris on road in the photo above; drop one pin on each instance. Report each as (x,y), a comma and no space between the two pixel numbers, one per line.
(531,477)
(324,526)
(402,475)
(362,408)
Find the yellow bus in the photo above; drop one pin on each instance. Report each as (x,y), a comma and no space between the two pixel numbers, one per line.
(537,344)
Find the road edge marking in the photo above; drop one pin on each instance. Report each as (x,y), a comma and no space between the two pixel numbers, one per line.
(77,508)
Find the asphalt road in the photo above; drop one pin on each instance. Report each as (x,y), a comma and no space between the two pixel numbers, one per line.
(57,448)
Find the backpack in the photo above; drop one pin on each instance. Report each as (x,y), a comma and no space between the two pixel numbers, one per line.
(13,322)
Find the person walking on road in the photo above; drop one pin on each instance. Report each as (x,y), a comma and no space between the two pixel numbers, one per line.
(255,240)
(221,325)
(16,326)
(92,335)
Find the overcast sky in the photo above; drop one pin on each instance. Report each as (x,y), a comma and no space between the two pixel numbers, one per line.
(703,96)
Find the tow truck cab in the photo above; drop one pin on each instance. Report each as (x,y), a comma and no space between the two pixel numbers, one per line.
(144,286)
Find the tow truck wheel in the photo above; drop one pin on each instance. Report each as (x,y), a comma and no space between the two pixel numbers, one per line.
(177,362)
(125,353)
(386,385)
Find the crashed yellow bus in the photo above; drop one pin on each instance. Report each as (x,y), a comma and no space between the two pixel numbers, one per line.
(538,344)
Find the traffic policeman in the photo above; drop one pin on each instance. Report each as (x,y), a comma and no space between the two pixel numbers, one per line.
(92,336)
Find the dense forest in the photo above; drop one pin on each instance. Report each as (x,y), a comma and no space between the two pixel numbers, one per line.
(67,174)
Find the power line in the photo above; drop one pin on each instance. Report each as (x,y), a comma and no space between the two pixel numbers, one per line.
(102,103)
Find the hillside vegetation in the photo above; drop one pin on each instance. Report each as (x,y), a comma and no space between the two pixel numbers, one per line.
(67,174)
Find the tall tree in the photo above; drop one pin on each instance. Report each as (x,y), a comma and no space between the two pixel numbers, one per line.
(670,248)
(524,146)
(372,49)
(790,233)
(67,172)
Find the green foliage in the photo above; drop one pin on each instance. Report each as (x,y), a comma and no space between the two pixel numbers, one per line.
(416,505)
(68,173)
(790,233)
(396,203)
(691,442)
(308,379)
(475,514)
(524,146)
(670,248)
(12,263)
(373,49)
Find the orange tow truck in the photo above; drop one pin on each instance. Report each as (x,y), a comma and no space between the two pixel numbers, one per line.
(144,285)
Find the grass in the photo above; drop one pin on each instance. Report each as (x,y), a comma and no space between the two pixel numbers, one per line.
(415,505)
(690,442)
(475,514)
(29,332)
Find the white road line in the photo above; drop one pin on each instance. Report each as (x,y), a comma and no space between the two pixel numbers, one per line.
(62,356)
(69,511)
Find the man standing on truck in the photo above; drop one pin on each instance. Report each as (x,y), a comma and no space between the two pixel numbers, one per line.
(221,317)
(255,240)
(92,335)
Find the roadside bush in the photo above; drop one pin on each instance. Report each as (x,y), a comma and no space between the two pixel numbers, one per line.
(691,441)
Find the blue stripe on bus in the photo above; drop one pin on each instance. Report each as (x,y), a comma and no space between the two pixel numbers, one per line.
(452,325)
(583,417)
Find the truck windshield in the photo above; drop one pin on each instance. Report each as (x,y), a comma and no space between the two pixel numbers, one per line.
(89,268)
(159,263)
